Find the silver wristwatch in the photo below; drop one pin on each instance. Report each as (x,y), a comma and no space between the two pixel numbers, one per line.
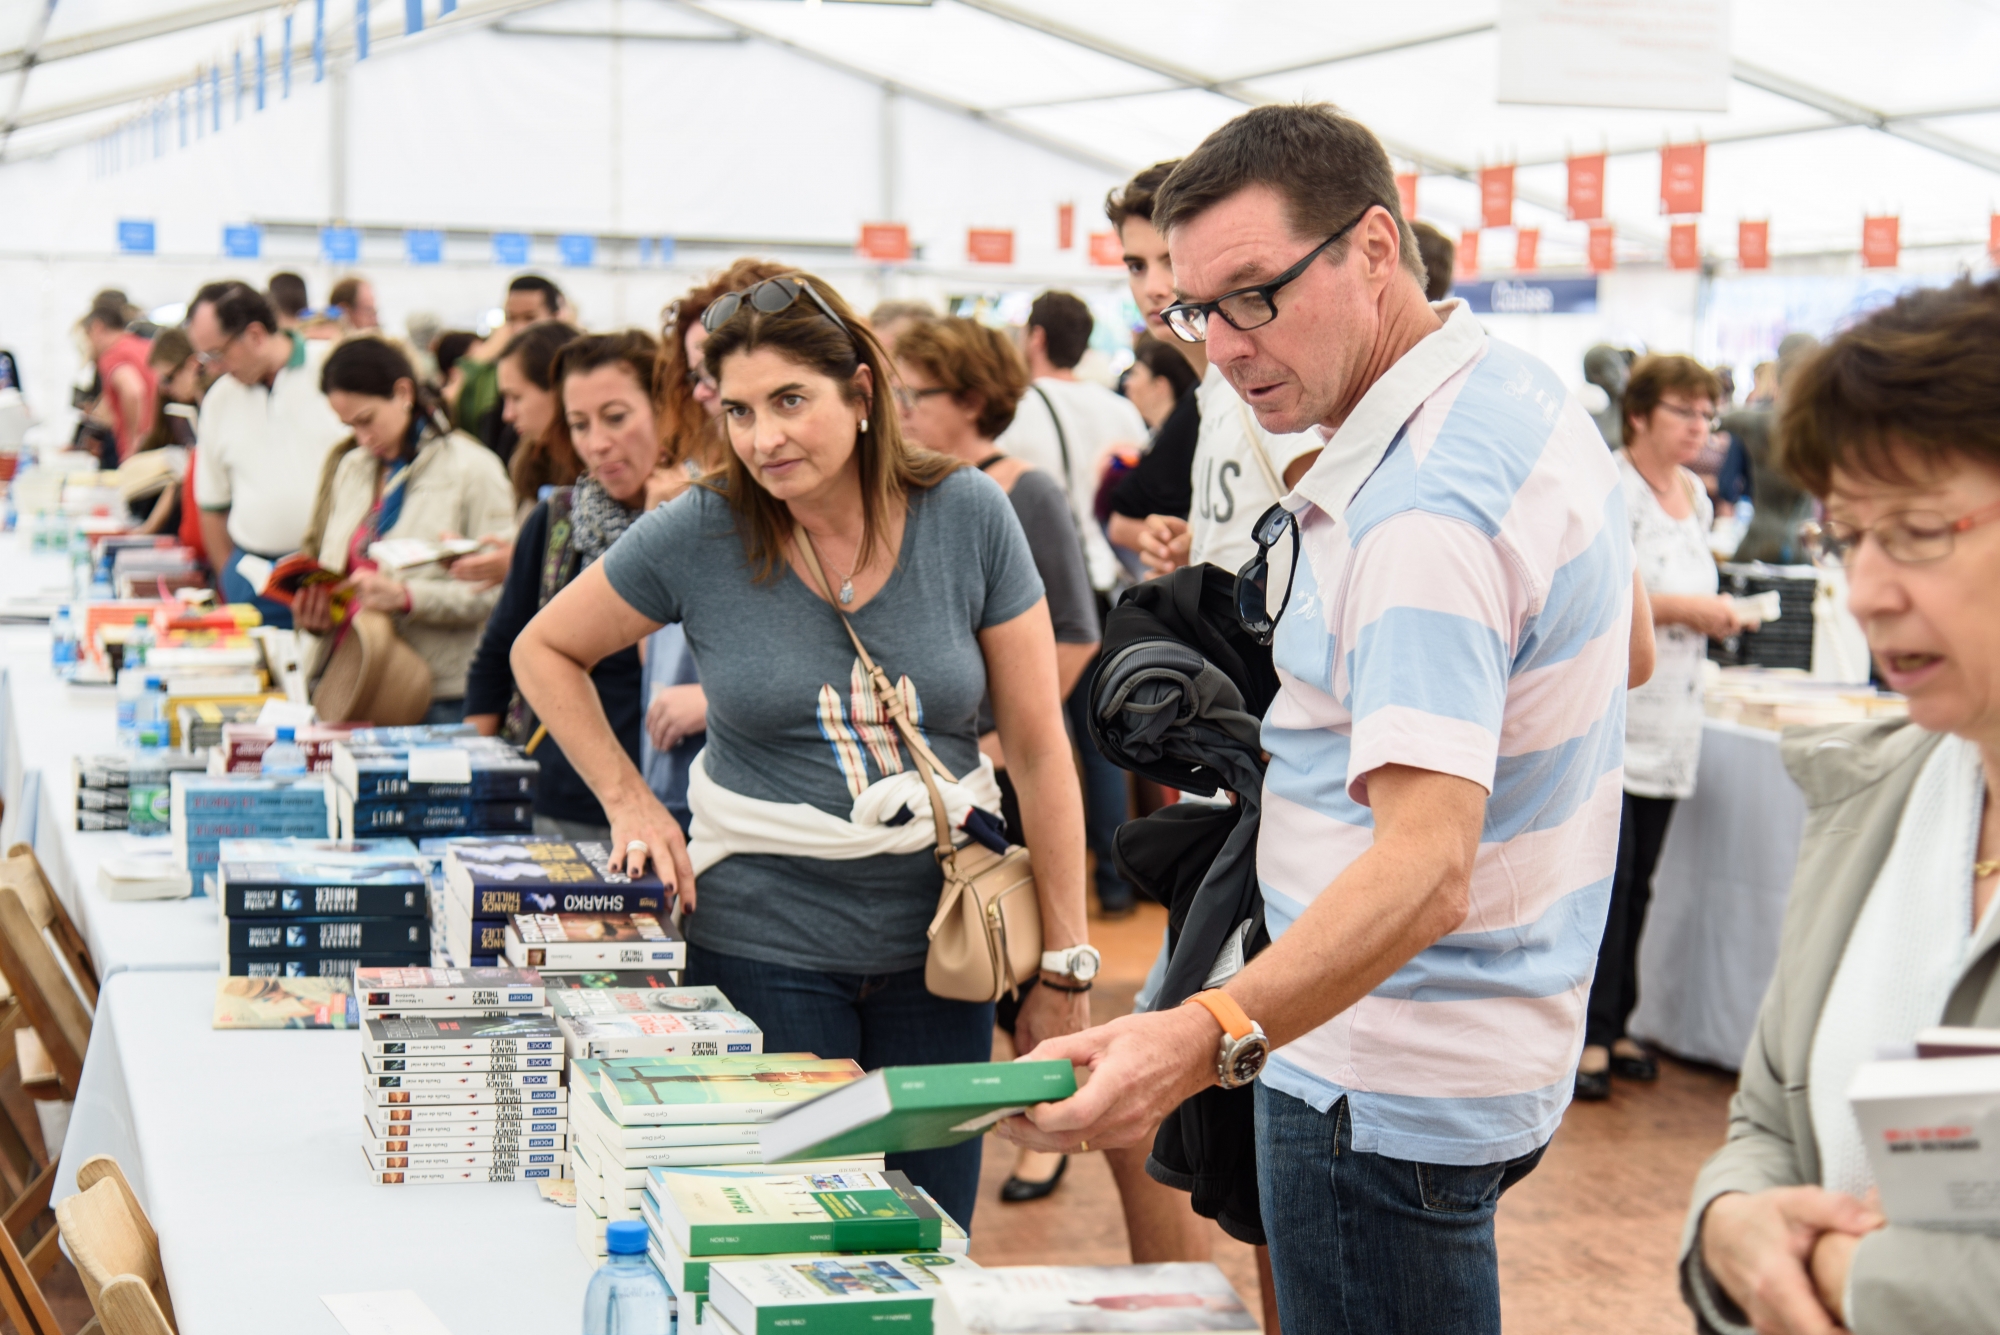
(1078,962)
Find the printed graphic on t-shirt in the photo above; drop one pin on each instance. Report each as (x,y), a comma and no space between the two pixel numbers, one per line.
(1215,490)
(861,731)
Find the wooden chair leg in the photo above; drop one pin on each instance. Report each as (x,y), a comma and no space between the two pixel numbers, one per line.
(36,1317)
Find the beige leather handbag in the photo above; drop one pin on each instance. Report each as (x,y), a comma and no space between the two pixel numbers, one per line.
(986,937)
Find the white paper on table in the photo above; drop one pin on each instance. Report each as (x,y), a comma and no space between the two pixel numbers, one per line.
(385,1312)
(285,714)
(440,764)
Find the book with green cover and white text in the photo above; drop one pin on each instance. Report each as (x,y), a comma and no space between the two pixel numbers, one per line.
(848,1295)
(901,1108)
(710,1215)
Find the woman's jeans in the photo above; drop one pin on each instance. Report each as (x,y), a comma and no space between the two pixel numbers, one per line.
(876,1019)
(1362,1244)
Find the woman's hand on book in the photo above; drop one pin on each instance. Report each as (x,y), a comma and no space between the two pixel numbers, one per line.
(638,818)
(312,608)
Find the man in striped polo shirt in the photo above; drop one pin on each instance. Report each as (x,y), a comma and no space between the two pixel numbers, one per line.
(1441,807)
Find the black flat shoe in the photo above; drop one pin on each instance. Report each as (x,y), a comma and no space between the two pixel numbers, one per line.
(1014,1190)
(1593,1086)
(1635,1068)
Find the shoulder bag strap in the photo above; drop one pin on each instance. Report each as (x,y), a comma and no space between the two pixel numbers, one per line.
(1264,464)
(927,764)
(1062,439)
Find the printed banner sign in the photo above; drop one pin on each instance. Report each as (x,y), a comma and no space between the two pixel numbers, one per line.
(339,245)
(1683,246)
(989,245)
(578,251)
(1602,255)
(1106,249)
(1527,250)
(1586,188)
(1753,245)
(1534,296)
(243,243)
(136,236)
(1406,193)
(423,247)
(510,248)
(1496,196)
(1680,178)
(1881,242)
(1468,255)
(1065,226)
(887,242)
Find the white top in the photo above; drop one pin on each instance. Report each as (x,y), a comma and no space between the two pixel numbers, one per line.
(1905,952)
(259,451)
(1231,487)
(1663,718)
(1094,421)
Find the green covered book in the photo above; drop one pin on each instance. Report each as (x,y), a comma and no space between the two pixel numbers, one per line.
(715,1089)
(851,1295)
(900,1108)
(707,1213)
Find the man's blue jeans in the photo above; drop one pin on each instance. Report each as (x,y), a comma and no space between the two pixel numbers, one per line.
(878,1020)
(1362,1244)
(236,589)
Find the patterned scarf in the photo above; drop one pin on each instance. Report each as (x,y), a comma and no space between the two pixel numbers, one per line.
(599,520)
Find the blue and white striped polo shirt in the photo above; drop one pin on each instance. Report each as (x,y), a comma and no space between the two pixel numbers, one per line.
(1466,612)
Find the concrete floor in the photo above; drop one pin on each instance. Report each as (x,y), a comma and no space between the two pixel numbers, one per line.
(1587,1242)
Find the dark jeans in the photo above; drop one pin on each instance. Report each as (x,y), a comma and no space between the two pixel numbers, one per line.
(446,711)
(876,1019)
(1362,1244)
(1107,802)
(236,589)
(1614,992)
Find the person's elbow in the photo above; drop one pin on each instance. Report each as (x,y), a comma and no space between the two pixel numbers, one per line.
(1450,899)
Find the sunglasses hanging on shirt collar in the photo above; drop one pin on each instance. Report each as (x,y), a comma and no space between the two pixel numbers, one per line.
(1277,529)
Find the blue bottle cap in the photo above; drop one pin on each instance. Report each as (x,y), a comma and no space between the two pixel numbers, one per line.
(286,734)
(627,1237)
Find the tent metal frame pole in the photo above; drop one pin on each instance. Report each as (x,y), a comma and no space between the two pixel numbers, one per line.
(29,57)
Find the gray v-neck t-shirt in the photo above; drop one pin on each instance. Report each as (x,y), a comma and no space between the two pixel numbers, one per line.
(792,718)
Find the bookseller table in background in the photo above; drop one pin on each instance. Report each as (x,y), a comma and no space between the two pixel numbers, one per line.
(1711,939)
(245,1148)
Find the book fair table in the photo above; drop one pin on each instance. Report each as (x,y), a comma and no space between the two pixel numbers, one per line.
(244,1147)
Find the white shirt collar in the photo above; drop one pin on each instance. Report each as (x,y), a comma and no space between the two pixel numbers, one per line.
(1352,452)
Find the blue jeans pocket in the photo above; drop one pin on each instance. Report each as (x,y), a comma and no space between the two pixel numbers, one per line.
(1452,1189)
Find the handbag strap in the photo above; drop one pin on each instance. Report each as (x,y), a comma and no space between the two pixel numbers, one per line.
(928,765)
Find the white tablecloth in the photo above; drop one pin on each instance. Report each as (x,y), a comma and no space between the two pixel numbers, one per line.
(1711,940)
(245,1149)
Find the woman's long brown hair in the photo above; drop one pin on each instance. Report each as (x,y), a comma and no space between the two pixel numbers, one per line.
(890,466)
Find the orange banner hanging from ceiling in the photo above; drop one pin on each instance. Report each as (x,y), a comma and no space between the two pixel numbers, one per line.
(1105,248)
(989,245)
(1680,178)
(1065,225)
(885,242)
(1881,242)
(1468,255)
(1527,248)
(1600,250)
(1406,192)
(1753,245)
(1496,196)
(1586,188)
(1683,246)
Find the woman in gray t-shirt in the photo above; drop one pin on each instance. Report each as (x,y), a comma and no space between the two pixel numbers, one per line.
(819,935)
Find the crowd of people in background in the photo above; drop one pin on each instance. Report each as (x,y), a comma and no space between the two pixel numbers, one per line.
(973,501)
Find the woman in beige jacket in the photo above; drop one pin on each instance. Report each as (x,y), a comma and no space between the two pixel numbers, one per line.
(1891,928)
(404,475)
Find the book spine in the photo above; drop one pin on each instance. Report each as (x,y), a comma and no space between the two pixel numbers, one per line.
(323,936)
(482,1159)
(830,1235)
(530,1101)
(432,1177)
(311,966)
(527,1081)
(277,899)
(502,902)
(497,999)
(478,1120)
(509,1047)
(560,955)
(670,1045)
(432,1144)
(492,1061)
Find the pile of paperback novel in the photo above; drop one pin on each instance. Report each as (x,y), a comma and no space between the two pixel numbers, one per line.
(320,908)
(605,1022)
(462,1077)
(489,881)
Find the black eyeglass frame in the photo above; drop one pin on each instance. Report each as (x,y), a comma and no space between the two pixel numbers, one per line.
(724,308)
(1189,312)
(1252,581)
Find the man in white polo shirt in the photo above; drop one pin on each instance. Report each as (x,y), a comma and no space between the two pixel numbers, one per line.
(264,432)
(1440,811)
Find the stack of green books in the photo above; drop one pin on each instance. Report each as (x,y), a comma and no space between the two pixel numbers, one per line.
(651,1112)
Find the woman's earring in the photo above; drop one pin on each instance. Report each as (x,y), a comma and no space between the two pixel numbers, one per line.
(864,426)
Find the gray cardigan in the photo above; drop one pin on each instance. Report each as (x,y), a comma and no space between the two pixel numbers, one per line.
(1857,779)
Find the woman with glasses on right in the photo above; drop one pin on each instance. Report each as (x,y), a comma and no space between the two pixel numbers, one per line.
(1895,427)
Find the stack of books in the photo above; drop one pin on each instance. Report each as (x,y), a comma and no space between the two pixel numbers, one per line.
(605,1022)
(462,1077)
(388,782)
(205,809)
(634,1114)
(316,908)
(240,746)
(488,881)
(769,1251)
(104,789)
(570,942)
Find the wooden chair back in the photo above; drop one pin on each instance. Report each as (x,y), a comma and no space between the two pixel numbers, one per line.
(117,1255)
(22,871)
(43,990)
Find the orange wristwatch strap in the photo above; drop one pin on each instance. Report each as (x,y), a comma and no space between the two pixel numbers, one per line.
(1225,1010)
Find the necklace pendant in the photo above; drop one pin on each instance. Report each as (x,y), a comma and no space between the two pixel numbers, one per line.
(846,592)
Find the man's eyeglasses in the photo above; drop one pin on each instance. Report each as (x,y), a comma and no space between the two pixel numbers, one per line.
(1914,537)
(1247,307)
(698,377)
(1277,529)
(1690,415)
(770,296)
(210,360)
(909,398)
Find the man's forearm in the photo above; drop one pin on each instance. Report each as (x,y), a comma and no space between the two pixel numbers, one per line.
(215,537)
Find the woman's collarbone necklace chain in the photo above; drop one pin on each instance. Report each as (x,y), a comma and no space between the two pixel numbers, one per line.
(846,590)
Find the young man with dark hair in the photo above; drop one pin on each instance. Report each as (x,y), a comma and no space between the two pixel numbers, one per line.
(264,432)
(353,298)
(288,296)
(1451,582)
(530,298)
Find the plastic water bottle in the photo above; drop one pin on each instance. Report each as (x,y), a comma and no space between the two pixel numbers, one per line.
(141,642)
(626,1296)
(131,684)
(62,644)
(285,756)
(149,715)
(149,798)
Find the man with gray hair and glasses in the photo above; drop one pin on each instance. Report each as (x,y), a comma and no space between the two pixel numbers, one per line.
(1450,600)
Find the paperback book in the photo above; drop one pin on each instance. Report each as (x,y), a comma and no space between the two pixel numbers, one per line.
(903,1108)
(305,966)
(428,1036)
(689,1274)
(802,1212)
(466,769)
(1932,1129)
(440,1144)
(324,936)
(285,1003)
(382,1161)
(434,990)
(657,1034)
(481,1119)
(728,1090)
(832,1296)
(498,1061)
(551,876)
(432,1177)
(593,940)
(525,1101)
(455,1080)
(580,1002)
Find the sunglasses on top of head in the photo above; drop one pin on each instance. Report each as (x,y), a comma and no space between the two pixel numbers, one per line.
(770,296)
(1246,308)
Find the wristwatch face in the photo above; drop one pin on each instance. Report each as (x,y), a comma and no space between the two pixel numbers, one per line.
(1242,1059)
(1083,963)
